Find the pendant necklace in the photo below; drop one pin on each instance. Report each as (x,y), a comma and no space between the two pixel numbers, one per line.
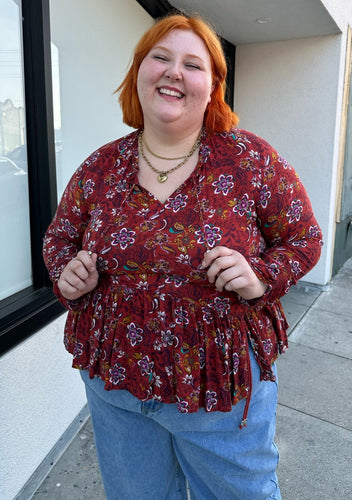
(162,174)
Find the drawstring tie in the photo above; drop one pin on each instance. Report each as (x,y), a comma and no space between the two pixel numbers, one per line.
(209,246)
(248,399)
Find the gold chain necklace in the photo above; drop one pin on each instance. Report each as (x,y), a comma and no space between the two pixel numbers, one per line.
(163,157)
(162,177)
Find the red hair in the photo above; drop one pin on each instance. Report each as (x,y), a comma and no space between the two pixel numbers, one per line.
(218,116)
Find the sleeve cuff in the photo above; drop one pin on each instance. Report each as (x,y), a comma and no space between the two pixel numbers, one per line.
(72,305)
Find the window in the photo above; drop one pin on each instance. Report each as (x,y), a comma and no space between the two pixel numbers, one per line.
(15,264)
(27,158)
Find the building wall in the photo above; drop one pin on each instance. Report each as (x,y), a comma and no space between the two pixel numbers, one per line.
(340,11)
(287,92)
(94,42)
(39,392)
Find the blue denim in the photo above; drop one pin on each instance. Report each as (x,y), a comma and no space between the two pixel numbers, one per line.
(149,450)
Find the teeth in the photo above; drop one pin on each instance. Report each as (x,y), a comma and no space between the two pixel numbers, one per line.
(172,93)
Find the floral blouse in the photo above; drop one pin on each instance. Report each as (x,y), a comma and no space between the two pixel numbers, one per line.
(154,325)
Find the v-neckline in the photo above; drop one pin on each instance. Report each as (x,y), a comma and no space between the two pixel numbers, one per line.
(173,194)
(135,168)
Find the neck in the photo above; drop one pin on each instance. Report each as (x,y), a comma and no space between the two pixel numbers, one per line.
(170,143)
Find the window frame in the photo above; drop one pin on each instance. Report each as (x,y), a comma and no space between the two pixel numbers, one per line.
(25,312)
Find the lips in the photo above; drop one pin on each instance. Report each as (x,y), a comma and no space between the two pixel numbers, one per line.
(170,92)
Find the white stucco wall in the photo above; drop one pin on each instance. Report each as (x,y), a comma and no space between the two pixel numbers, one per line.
(40,394)
(95,41)
(287,92)
(340,11)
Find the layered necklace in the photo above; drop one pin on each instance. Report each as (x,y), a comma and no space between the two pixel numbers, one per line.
(162,174)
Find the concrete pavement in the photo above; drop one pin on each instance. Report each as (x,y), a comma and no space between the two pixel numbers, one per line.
(314,418)
(314,424)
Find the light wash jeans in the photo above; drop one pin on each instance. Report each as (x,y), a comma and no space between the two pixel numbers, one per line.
(151,451)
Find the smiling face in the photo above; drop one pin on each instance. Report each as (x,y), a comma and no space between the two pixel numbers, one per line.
(175,82)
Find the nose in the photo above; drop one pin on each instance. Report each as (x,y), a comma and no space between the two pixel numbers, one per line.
(174,71)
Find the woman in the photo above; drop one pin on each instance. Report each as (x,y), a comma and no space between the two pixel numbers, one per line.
(171,248)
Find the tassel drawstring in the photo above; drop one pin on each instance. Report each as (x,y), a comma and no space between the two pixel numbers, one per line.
(248,399)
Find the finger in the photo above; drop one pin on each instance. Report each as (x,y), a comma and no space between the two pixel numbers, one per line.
(84,264)
(71,295)
(88,259)
(74,281)
(67,289)
(213,254)
(92,264)
(229,279)
(75,268)
(219,265)
(235,284)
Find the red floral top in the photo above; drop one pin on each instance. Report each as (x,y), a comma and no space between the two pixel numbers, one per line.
(154,325)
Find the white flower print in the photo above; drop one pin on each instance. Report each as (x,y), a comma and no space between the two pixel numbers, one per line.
(221,305)
(88,188)
(134,334)
(211,235)
(146,366)
(223,185)
(183,259)
(295,266)
(243,206)
(264,196)
(68,228)
(181,316)
(182,406)
(210,400)
(177,203)
(124,238)
(117,374)
(97,224)
(295,212)
(254,154)
(188,379)
(142,285)
(255,182)
(169,371)
(157,380)
(236,362)
(267,346)
(161,315)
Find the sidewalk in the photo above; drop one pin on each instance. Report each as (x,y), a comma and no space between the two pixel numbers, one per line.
(314,425)
(314,422)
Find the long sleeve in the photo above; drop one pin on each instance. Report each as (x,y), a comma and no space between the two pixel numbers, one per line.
(291,233)
(64,237)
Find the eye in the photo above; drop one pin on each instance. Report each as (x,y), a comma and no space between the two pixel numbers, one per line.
(160,57)
(192,66)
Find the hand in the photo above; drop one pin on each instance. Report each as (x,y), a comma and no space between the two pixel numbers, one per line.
(80,276)
(229,270)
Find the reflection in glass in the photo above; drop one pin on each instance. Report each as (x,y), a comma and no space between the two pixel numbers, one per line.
(57,115)
(15,252)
